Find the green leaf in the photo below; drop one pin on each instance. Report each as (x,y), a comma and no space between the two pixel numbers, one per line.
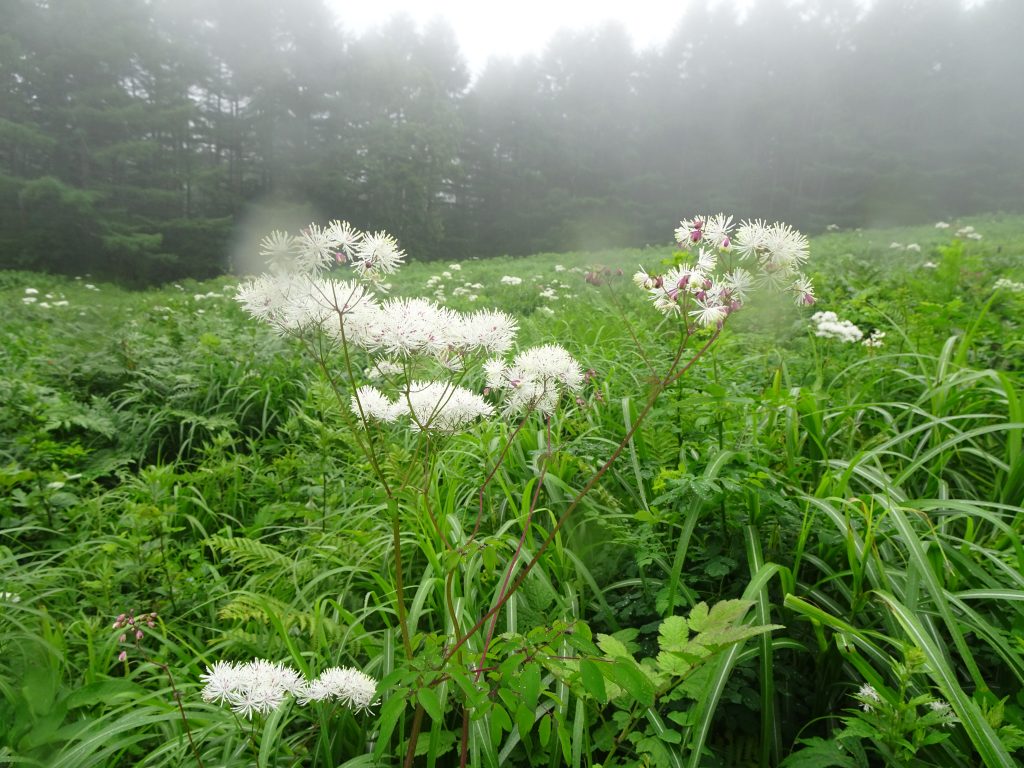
(430,702)
(593,681)
(626,674)
(525,719)
(530,685)
(389,716)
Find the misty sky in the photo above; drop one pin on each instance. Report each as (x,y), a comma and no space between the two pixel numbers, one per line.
(514,29)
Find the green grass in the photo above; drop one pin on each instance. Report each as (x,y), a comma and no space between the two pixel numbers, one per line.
(161,451)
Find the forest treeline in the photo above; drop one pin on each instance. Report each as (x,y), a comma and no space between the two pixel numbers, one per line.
(135,135)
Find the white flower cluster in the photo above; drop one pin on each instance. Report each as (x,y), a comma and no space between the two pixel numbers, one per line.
(535,379)
(511,280)
(969,232)
(296,297)
(707,294)
(10,597)
(1010,285)
(260,686)
(829,326)
(52,300)
(434,406)
(875,339)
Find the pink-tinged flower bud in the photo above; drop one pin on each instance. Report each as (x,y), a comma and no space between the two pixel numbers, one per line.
(138,634)
(683,281)
(735,305)
(122,656)
(698,224)
(707,284)
(808,299)
(701,295)
(659,281)
(695,236)
(122,638)
(726,242)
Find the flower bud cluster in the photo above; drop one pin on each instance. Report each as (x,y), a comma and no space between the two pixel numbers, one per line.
(133,628)
(706,291)
(260,686)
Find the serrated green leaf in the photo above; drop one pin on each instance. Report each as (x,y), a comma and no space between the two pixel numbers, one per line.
(626,674)
(613,647)
(673,634)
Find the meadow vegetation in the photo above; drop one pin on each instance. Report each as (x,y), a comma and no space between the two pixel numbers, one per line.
(803,548)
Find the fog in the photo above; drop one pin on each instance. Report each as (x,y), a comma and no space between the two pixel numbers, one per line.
(140,140)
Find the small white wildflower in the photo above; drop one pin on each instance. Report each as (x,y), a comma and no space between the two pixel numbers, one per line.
(930,265)
(372,404)
(511,280)
(832,228)
(377,254)
(868,694)
(487,330)
(914,247)
(278,248)
(710,313)
(343,240)
(29,299)
(31,291)
(10,597)
(894,245)
(455,267)
(944,711)
(942,225)
(559,268)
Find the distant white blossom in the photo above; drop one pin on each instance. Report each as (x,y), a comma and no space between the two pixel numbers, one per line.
(914,247)
(511,280)
(828,325)
(1006,284)
(875,339)
(942,225)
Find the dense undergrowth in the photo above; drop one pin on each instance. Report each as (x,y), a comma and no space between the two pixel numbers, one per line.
(160,452)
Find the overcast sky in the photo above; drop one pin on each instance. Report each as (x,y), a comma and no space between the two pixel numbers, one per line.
(517,27)
(514,28)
